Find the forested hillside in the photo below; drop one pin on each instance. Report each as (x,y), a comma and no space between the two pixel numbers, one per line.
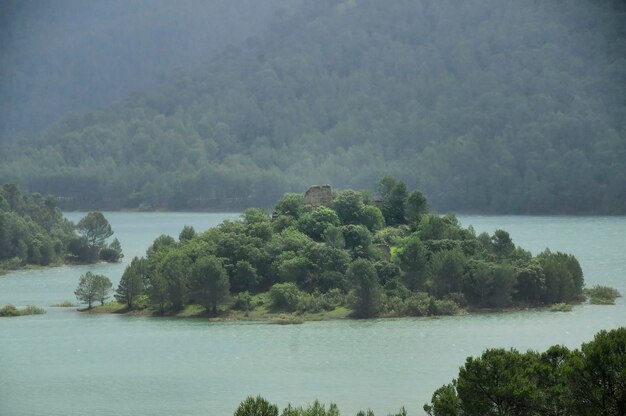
(487,106)
(58,56)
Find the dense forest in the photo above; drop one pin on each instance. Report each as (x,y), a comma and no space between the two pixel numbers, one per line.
(487,106)
(34,231)
(557,382)
(69,55)
(375,257)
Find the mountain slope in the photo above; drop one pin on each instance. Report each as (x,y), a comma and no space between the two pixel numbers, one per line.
(489,106)
(67,55)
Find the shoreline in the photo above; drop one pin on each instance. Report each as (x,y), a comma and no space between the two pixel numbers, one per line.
(261,315)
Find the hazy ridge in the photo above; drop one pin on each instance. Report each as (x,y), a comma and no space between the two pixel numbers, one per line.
(487,106)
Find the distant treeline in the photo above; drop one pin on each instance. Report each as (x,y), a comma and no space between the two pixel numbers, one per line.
(71,55)
(487,106)
(377,257)
(34,231)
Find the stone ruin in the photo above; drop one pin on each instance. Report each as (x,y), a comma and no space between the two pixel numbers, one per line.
(318,195)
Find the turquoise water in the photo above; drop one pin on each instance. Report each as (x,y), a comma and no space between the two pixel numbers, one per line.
(67,363)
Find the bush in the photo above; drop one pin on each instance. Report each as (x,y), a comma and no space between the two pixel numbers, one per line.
(11,264)
(109,255)
(332,299)
(393,305)
(141,302)
(445,307)
(602,295)
(561,307)
(256,406)
(308,303)
(316,409)
(9,310)
(418,304)
(64,304)
(242,301)
(284,296)
(32,310)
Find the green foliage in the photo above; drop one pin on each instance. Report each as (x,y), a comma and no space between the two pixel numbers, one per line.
(412,257)
(103,287)
(32,310)
(284,296)
(64,304)
(372,218)
(602,295)
(394,195)
(555,382)
(434,267)
(489,285)
(92,287)
(244,277)
(564,277)
(445,402)
(349,205)
(32,229)
(95,228)
(9,310)
(531,284)
(132,283)
(316,409)
(596,375)
(291,205)
(256,406)
(12,311)
(242,301)
(366,288)
(209,284)
(315,223)
(91,246)
(446,270)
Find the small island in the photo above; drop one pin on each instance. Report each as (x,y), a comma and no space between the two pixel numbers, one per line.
(327,255)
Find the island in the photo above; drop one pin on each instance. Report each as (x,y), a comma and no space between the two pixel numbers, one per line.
(327,254)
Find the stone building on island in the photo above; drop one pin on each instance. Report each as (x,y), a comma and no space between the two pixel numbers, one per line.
(319,195)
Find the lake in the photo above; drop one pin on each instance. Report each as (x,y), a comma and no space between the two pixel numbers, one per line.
(68,363)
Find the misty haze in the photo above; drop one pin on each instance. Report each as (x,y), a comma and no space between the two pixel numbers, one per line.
(299,208)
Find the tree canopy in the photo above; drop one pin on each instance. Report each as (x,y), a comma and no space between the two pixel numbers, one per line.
(309,259)
(589,381)
(34,231)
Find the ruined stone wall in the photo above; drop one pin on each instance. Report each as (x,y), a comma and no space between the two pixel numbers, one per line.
(319,195)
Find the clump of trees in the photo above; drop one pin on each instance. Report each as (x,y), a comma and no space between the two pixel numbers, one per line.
(93,287)
(379,255)
(90,245)
(34,231)
(559,381)
(259,406)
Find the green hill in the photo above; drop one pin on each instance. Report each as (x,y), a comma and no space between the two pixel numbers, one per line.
(487,106)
